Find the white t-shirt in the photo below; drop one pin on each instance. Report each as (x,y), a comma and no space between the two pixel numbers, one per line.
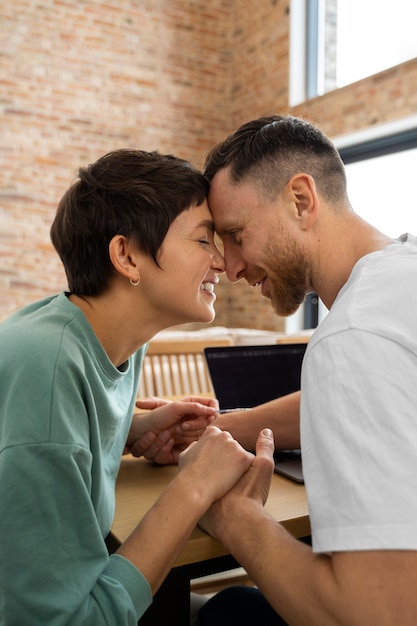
(359,409)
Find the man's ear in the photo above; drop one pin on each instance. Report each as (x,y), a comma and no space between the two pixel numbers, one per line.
(303,194)
(123,257)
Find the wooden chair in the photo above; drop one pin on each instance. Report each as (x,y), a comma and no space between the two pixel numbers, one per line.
(298,338)
(177,368)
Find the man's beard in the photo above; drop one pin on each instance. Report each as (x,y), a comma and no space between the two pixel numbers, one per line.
(287,274)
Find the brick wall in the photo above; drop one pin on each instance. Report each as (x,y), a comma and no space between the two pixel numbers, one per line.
(81,77)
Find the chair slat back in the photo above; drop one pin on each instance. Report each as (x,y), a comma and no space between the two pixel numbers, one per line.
(177,368)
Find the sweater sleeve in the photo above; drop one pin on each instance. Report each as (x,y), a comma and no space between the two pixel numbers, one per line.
(54,566)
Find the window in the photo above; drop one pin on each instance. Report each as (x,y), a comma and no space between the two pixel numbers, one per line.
(383,33)
(337,42)
(380,168)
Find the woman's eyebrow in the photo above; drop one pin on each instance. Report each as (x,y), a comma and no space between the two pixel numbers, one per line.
(208,224)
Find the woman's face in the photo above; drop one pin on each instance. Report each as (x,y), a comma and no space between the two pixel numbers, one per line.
(182,288)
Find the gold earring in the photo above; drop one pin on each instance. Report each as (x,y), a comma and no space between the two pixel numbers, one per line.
(136,282)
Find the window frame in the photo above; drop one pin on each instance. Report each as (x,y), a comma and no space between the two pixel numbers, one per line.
(307,76)
(306,68)
(379,146)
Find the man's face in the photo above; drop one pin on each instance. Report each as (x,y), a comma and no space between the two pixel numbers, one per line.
(260,241)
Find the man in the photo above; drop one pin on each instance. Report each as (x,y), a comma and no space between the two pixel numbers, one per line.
(279,203)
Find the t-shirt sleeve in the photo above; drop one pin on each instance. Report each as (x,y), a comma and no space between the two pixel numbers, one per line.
(359,433)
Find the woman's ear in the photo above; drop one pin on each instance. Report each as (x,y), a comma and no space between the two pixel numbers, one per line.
(302,189)
(123,257)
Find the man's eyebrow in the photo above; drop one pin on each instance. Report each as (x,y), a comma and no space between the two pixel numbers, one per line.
(222,232)
(226,229)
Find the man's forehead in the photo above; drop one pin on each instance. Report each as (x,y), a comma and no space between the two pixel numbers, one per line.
(224,189)
(221,181)
(235,197)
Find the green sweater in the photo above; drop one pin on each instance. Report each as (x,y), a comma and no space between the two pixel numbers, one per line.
(65,413)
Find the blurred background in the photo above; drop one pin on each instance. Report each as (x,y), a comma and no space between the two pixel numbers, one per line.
(79,78)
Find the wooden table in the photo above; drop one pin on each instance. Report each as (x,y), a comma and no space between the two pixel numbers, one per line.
(139,485)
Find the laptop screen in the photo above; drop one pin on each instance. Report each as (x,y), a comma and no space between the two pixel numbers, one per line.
(244,376)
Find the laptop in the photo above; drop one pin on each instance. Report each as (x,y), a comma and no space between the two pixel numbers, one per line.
(245,376)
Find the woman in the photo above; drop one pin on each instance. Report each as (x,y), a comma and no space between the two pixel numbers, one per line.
(136,239)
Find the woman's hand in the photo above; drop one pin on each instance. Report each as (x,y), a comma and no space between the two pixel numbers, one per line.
(168,427)
(212,465)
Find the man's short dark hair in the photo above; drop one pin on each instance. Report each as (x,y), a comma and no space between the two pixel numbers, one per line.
(270,150)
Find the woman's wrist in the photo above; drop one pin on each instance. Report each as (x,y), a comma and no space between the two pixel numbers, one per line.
(194,497)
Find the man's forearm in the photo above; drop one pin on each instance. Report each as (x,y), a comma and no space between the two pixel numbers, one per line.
(308,589)
(281,415)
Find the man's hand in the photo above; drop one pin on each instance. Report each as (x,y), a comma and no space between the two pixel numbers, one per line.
(253,485)
(168,427)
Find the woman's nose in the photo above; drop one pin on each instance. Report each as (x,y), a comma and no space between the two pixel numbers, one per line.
(218,262)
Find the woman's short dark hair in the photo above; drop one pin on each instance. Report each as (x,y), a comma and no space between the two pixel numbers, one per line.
(270,150)
(133,193)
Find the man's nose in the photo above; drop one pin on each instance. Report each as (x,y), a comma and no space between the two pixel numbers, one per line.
(235,265)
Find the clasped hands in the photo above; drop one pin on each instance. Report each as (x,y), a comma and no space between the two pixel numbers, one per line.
(167,431)
(165,428)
